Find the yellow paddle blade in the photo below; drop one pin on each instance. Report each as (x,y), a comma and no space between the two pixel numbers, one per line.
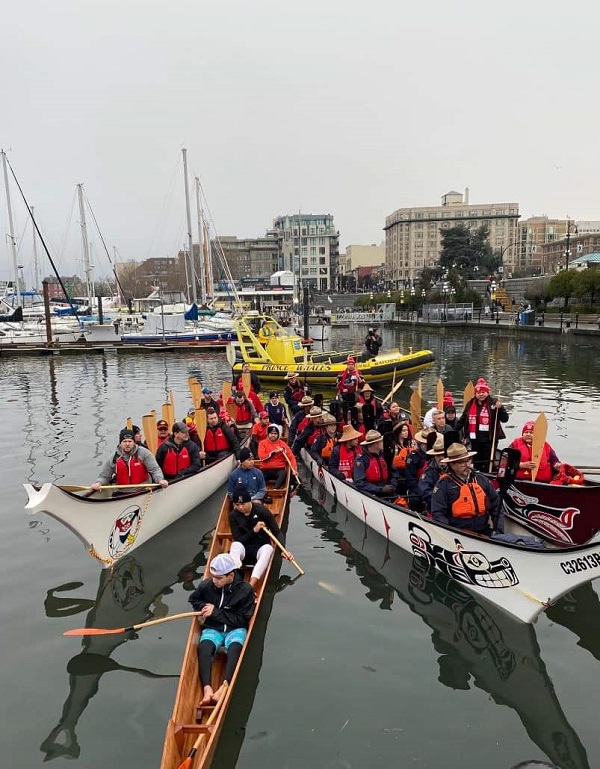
(200,419)
(468,393)
(440,394)
(540,433)
(149,427)
(246,382)
(226,391)
(415,410)
(129,423)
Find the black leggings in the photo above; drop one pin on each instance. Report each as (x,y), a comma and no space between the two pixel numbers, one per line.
(206,653)
(277,475)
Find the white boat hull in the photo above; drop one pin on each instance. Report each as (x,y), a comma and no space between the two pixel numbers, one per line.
(521,581)
(113,527)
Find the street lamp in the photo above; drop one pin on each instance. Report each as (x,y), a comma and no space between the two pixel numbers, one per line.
(502,252)
(568,249)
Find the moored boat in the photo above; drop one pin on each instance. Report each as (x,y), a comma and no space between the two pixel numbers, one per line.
(272,353)
(111,527)
(520,580)
(189,720)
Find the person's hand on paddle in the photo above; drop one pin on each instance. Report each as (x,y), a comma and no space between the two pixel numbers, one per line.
(207,610)
(202,454)
(498,403)
(96,486)
(260,525)
(164,483)
(527,465)
(287,555)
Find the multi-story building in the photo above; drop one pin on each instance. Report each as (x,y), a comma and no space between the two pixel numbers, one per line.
(554,253)
(249,258)
(309,247)
(413,237)
(533,233)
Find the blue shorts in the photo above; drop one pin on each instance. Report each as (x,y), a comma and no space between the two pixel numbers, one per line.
(224,639)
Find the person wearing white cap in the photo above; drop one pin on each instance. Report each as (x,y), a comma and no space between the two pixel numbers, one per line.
(226,603)
(371,473)
(464,498)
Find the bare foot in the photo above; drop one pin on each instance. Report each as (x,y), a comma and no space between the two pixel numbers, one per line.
(216,696)
(207,699)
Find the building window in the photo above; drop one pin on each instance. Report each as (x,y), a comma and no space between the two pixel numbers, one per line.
(304,260)
(322,260)
(313,270)
(313,250)
(304,250)
(321,249)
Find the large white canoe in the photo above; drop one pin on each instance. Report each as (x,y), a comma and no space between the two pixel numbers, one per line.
(520,580)
(111,527)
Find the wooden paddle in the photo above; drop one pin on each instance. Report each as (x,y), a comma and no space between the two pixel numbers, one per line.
(291,466)
(122,486)
(129,423)
(167,413)
(468,393)
(494,432)
(195,391)
(226,392)
(285,552)
(200,420)
(149,426)
(415,410)
(392,392)
(231,355)
(188,762)
(246,382)
(231,409)
(540,433)
(118,630)
(440,394)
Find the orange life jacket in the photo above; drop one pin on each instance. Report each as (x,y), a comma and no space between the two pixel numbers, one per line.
(132,471)
(328,448)
(472,500)
(400,457)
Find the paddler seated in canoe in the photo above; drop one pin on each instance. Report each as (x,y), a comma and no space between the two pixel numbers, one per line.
(251,546)
(190,422)
(219,440)
(294,391)
(130,464)
(300,418)
(248,477)
(254,380)
(259,432)
(464,498)
(372,410)
(179,456)
(549,462)
(323,445)
(344,453)
(416,464)
(162,431)
(314,427)
(245,413)
(276,410)
(481,422)
(371,473)
(274,455)
(207,401)
(433,470)
(348,383)
(226,603)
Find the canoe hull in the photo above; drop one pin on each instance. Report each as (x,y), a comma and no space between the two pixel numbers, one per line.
(113,527)
(520,581)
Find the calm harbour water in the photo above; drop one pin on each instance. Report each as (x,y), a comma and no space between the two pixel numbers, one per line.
(382,666)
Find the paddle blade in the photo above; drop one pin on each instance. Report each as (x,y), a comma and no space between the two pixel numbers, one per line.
(231,410)
(415,410)
(195,391)
(78,631)
(226,391)
(200,419)
(230,352)
(440,394)
(187,764)
(246,382)
(540,433)
(129,423)
(468,393)
(149,427)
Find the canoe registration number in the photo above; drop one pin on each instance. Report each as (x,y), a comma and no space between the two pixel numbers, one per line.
(584,563)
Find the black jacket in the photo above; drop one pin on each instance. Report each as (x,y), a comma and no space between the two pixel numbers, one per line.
(234,603)
(193,451)
(242,528)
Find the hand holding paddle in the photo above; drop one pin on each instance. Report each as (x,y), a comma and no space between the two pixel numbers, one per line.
(286,553)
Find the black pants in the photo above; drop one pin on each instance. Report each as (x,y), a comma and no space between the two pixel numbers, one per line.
(276,474)
(206,653)
(484,450)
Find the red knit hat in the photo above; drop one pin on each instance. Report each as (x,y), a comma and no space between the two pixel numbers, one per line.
(448,399)
(240,386)
(350,360)
(482,386)
(528,427)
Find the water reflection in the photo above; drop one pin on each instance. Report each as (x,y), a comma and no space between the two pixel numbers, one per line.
(134,591)
(478,645)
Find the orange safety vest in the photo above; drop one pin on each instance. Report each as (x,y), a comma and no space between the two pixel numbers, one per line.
(328,448)
(132,471)
(400,457)
(472,500)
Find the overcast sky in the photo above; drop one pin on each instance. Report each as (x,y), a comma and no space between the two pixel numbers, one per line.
(323,107)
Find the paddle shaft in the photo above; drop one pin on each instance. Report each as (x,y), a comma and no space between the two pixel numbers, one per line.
(118,486)
(287,553)
(392,392)
(493,449)
(142,626)
(201,737)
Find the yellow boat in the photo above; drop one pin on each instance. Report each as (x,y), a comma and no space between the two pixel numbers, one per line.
(272,352)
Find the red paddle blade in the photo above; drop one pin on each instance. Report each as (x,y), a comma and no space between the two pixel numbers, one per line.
(187,764)
(94,631)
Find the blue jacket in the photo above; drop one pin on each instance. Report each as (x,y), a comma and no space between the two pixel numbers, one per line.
(252,480)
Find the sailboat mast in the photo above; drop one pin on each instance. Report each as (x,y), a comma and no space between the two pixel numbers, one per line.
(86,246)
(207,258)
(202,277)
(189,226)
(36,263)
(11,236)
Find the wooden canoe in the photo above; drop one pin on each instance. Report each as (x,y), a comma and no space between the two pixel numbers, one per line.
(188,720)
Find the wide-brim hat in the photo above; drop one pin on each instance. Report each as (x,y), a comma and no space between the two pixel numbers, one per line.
(421,436)
(399,425)
(438,447)
(456,452)
(306,400)
(373,436)
(349,434)
(291,374)
(329,419)
(367,388)
(315,412)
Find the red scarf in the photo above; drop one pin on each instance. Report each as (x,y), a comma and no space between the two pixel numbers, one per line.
(479,421)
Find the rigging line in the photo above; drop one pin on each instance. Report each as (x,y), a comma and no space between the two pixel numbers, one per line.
(43,242)
(165,205)
(91,210)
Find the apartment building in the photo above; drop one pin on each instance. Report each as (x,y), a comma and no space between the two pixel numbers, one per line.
(533,233)
(248,258)
(309,247)
(413,237)
(553,255)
